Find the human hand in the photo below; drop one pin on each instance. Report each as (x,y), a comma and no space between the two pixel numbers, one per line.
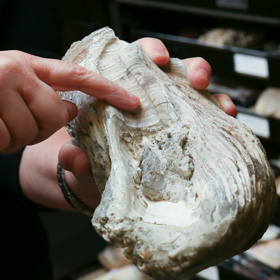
(199,70)
(31,110)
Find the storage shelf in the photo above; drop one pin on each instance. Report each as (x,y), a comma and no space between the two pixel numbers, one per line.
(271,132)
(221,58)
(246,10)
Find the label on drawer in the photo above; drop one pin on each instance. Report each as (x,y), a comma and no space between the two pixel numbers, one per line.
(235,4)
(251,65)
(260,126)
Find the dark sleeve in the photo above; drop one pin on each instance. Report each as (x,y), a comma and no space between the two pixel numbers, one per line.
(24,239)
(9,178)
(10,184)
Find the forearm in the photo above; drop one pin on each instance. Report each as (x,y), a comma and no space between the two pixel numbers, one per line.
(37,172)
(38,175)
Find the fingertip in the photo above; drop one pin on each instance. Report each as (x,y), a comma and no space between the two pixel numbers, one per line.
(73,159)
(134,101)
(199,72)
(227,104)
(71,109)
(123,100)
(155,49)
(160,56)
(230,108)
(198,79)
(64,157)
(81,165)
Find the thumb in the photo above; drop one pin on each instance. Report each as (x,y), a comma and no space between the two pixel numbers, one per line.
(71,109)
(73,159)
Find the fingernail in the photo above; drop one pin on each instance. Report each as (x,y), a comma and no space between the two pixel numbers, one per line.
(204,73)
(160,51)
(132,97)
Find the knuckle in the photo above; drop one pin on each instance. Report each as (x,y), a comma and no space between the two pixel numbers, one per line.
(10,59)
(55,122)
(12,63)
(7,65)
(110,86)
(30,89)
(79,72)
(25,137)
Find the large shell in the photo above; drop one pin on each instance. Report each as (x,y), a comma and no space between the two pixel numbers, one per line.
(184,186)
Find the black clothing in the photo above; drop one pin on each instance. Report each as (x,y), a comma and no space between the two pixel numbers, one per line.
(45,28)
(24,240)
(32,26)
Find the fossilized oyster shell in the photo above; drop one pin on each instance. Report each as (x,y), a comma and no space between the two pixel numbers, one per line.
(232,37)
(184,186)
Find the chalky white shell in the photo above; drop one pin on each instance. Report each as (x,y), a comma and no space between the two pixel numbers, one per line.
(184,186)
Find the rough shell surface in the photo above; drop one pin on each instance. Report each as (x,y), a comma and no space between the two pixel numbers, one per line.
(184,186)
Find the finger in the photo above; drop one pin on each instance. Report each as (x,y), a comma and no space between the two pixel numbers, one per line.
(49,111)
(71,109)
(199,72)
(73,159)
(63,76)
(155,49)
(5,138)
(226,104)
(19,121)
(78,176)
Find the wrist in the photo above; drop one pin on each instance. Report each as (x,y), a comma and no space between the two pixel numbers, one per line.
(38,179)
(37,172)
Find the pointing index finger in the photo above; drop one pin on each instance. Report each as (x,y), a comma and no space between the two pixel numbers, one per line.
(62,76)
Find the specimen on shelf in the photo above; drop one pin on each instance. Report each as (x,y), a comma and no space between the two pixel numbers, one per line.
(229,36)
(268,103)
(184,185)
